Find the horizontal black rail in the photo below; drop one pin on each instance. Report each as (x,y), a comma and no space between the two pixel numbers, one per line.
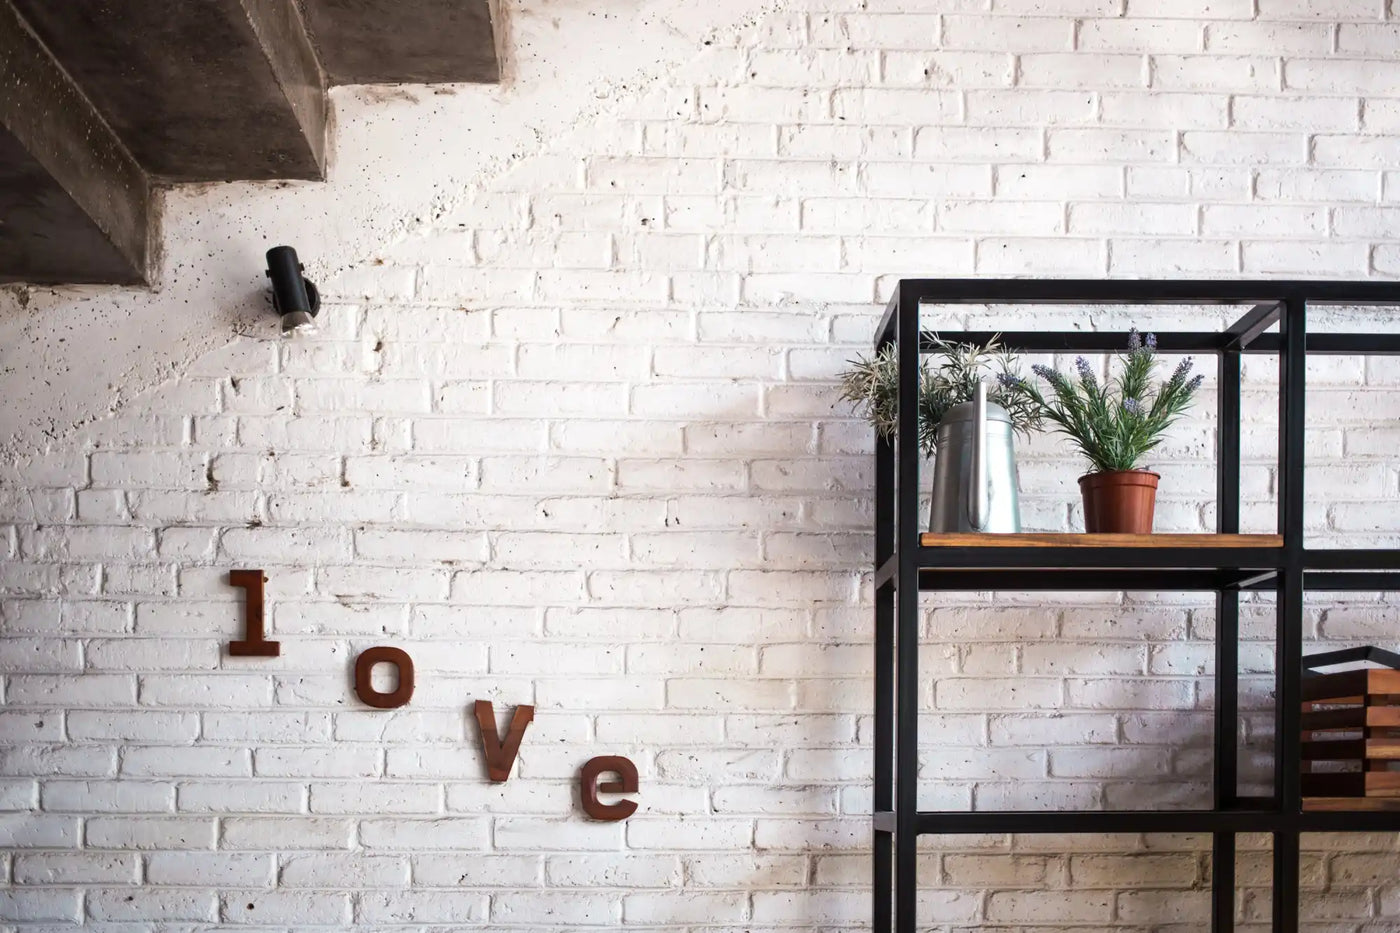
(1147,291)
(1351,559)
(1067,581)
(1346,562)
(1069,822)
(1245,334)
(1097,821)
(1200,342)
(1350,821)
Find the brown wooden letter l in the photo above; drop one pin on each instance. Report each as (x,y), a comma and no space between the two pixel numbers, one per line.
(255,644)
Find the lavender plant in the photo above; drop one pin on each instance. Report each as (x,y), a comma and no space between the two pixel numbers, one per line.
(1114,424)
(871,385)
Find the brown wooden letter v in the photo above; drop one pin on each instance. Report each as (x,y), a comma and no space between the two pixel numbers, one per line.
(500,756)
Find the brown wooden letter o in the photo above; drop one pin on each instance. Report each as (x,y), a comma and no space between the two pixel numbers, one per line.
(364,666)
(590,787)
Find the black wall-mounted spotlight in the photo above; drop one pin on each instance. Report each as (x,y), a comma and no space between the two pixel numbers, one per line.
(293,297)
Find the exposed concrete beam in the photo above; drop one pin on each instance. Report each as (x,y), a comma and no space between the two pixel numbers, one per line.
(282,33)
(404,41)
(75,203)
(209,90)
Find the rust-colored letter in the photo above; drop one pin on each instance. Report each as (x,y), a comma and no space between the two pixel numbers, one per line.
(500,756)
(590,787)
(255,644)
(364,666)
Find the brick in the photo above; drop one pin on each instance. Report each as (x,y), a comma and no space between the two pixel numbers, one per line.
(615,871)
(145,725)
(297,908)
(208,869)
(897,106)
(1139,220)
(1326,10)
(1012,34)
(1125,693)
(1178,256)
(1065,907)
(1139,35)
(39,830)
(66,761)
(954,69)
(1057,69)
(262,833)
(1287,113)
(217,691)
(1192,9)
(1330,76)
(466,869)
(1020,256)
(19,794)
(1029,107)
(1305,258)
(315,761)
(1248,220)
(154,833)
(685,907)
(329,870)
(554,834)
(1218,74)
(893,28)
(53,868)
(573,908)
(191,762)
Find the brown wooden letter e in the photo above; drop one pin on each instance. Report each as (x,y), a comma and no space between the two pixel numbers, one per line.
(255,644)
(590,787)
(364,667)
(500,756)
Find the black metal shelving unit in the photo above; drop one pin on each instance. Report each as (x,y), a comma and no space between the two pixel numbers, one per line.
(1273,321)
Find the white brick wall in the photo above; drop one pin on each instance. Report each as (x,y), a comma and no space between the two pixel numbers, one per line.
(576,443)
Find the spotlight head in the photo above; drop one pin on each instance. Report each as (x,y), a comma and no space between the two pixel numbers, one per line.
(294,298)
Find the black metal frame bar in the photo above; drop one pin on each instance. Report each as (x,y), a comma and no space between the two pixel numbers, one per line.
(1275,323)
(1347,656)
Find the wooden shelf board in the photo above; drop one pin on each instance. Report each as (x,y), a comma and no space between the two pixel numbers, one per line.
(1036,539)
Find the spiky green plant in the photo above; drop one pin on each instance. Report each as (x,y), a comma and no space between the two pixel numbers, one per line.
(871,385)
(1114,424)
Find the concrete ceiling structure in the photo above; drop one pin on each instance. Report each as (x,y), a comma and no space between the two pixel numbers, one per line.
(103,101)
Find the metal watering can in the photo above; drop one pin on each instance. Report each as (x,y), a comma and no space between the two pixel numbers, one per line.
(974,470)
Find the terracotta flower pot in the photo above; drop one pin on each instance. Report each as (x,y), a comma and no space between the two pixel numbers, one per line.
(1120,501)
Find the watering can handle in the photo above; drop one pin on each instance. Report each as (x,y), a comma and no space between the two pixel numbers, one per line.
(978,495)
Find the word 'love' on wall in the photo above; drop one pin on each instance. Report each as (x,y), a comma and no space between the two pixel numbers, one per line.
(500,753)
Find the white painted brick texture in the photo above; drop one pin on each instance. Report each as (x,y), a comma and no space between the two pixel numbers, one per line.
(578,445)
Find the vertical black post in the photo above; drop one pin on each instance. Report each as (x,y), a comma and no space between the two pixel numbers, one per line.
(1227,634)
(883,860)
(907,618)
(1288,636)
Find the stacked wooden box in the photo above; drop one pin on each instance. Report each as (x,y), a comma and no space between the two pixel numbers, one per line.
(1351,737)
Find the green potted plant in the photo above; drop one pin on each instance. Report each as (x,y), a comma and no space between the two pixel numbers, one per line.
(1114,425)
(950,424)
(871,385)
